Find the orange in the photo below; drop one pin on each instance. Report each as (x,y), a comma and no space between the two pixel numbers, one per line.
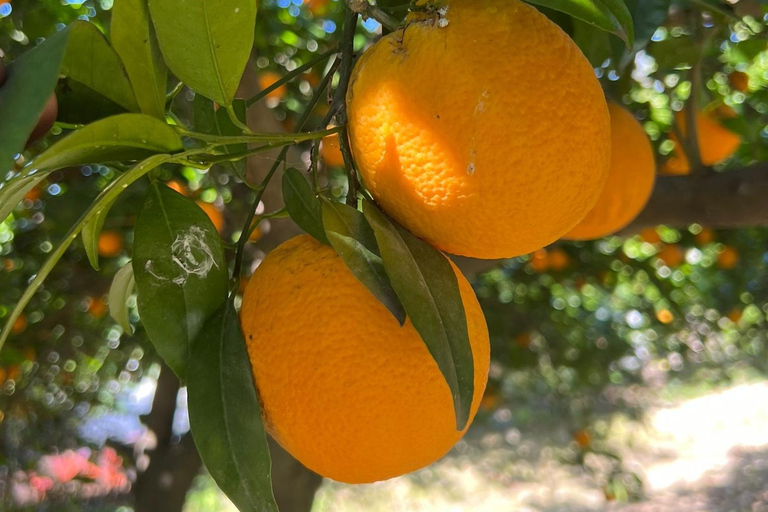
(317,7)
(3,373)
(705,236)
(540,261)
(330,151)
(671,255)
(213,213)
(739,81)
(630,179)
(257,233)
(728,258)
(20,324)
(523,340)
(359,398)
(650,235)
(14,373)
(559,260)
(582,438)
(490,399)
(30,354)
(480,155)
(665,316)
(734,315)
(110,244)
(178,187)
(266,79)
(35,193)
(716,143)
(97,308)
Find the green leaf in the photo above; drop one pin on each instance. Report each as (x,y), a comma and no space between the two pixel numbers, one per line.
(217,122)
(91,233)
(427,286)
(302,205)
(119,293)
(117,138)
(122,137)
(79,104)
(29,83)
(134,40)
(647,16)
(225,414)
(594,43)
(91,61)
(181,272)
(206,43)
(609,15)
(353,239)
(108,195)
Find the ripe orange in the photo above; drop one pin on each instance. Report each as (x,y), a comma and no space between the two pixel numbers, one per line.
(716,143)
(728,258)
(540,261)
(559,260)
(735,315)
(20,324)
(582,438)
(179,187)
(523,340)
(110,244)
(330,151)
(630,179)
(359,398)
(217,218)
(267,78)
(479,155)
(650,235)
(705,236)
(672,255)
(97,308)
(665,316)
(739,81)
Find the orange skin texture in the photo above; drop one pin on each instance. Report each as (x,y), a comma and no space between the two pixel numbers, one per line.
(110,244)
(213,213)
(480,156)
(671,255)
(355,398)
(330,151)
(728,258)
(267,78)
(716,142)
(630,179)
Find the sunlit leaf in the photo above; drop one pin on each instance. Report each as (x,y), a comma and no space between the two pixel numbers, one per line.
(609,15)
(119,293)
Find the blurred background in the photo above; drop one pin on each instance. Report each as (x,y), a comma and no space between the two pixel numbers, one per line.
(627,373)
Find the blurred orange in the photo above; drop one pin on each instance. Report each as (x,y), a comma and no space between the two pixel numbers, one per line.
(3,375)
(14,373)
(97,307)
(540,260)
(266,79)
(20,325)
(665,316)
(490,399)
(739,81)
(705,236)
(672,255)
(330,151)
(36,192)
(559,260)
(213,213)
(728,258)
(110,244)
(317,6)
(179,187)
(312,77)
(650,235)
(523,340)
(29,354)
(734,315)
(582,438)
(257,233)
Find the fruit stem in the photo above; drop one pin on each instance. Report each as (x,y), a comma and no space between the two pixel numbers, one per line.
(368,10)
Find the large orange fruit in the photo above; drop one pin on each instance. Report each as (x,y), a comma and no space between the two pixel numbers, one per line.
(716,142)
(630,179)
(478,153)
(356,397)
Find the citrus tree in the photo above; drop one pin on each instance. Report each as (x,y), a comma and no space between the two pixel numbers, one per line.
(188,134)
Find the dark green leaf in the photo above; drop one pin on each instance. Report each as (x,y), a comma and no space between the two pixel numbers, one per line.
(119,293)
(304,207)
(206,43)
(181,273)
(609,15)
(91,233)
(79,104)
(91,61)
(117,138)
(594,43)
(217,122)
(134,40)
(29,83)
(353,239)
(427,287)
(225,414)
(647,16)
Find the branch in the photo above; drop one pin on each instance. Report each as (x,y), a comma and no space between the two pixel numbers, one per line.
(367,10)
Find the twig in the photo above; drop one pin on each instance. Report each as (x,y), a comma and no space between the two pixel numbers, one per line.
(367,10)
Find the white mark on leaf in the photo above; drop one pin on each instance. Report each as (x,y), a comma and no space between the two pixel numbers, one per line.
(148,268)
(192,255)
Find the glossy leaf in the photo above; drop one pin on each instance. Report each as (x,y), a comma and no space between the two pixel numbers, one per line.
(426,285)
(14,190)
(79,104)
(108,195)
(181,272)
(302,205)
(118,138)
(30,80)
(217,122)
(91,232)
(91,61)
(134,40)
(206,43)
(225,414)
(609,15)
(353,239)
(119,293)
(647,16)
